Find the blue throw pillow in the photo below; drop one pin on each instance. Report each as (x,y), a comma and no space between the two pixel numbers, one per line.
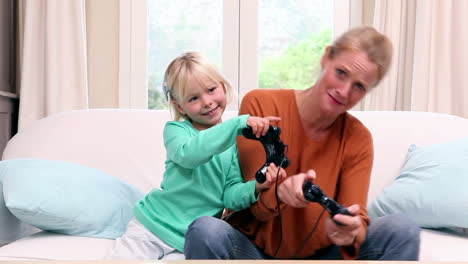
(432,187)
(11,228)
(67,198)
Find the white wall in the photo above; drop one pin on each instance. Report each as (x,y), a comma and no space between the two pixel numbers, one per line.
(102,23)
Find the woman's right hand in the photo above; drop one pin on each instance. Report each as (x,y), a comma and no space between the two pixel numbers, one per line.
(290,190)
(260,125)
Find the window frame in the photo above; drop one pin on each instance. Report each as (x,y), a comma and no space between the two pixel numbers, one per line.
(133,87)
(239,42)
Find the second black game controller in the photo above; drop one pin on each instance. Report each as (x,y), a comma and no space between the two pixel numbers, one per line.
(274,149)
(313,193)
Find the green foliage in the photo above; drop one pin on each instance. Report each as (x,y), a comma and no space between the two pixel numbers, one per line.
(298,66)
(156,99)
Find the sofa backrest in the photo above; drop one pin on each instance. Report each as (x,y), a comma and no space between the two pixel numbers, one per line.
(128,143)
(394,131)
(122,142)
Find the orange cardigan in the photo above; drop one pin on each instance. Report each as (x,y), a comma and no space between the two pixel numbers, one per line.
(343,163)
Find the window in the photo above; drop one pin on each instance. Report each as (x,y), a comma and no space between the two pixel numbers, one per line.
(176,26)
(255,43)
(292,37)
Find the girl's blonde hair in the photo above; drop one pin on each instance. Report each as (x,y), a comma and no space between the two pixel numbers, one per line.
(179,73)
(376,45)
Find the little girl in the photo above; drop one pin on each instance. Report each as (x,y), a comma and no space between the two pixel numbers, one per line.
(202,174)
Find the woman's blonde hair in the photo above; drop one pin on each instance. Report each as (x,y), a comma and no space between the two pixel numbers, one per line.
(377,46)
(179,73)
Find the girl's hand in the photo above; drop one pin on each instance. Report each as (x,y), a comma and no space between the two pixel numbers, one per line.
(271,177)
(260,125)
(344,235)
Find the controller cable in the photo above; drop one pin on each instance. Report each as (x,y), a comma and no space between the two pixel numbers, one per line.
(280,218)
(281,229)
(278,204)
(310,234)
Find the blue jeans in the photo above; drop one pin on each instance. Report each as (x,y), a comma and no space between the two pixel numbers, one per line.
(393,237)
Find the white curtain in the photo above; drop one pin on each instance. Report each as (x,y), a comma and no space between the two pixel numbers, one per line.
(441,57)
(430,58)
(52,58)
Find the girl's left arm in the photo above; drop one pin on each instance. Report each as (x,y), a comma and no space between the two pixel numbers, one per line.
(238,194)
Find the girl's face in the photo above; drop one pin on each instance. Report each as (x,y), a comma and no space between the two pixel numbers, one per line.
(204,103)
(345,80)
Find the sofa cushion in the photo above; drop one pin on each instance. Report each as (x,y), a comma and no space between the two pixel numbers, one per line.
(48,246)
(431,187)
(67,198)
(8,222)
(442,246)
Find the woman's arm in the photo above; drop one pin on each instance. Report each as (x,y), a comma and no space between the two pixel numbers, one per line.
(355,180)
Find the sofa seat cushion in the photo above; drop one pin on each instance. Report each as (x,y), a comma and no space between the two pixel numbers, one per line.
(443,245)
(56,247)
(52,246)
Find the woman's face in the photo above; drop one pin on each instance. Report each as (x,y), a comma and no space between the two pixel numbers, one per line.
(345,80)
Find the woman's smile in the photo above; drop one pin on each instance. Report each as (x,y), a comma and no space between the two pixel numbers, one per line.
(335,101)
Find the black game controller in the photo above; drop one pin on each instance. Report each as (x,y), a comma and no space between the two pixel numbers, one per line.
(313,193)
(274,149)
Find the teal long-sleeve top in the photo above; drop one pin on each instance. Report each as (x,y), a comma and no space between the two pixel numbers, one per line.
(202,177)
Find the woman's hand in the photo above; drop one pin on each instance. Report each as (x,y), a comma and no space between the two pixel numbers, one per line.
(271,177)
(345,234)
(290,190)
(260,125)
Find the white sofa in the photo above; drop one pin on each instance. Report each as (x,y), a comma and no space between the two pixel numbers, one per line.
(128,144)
